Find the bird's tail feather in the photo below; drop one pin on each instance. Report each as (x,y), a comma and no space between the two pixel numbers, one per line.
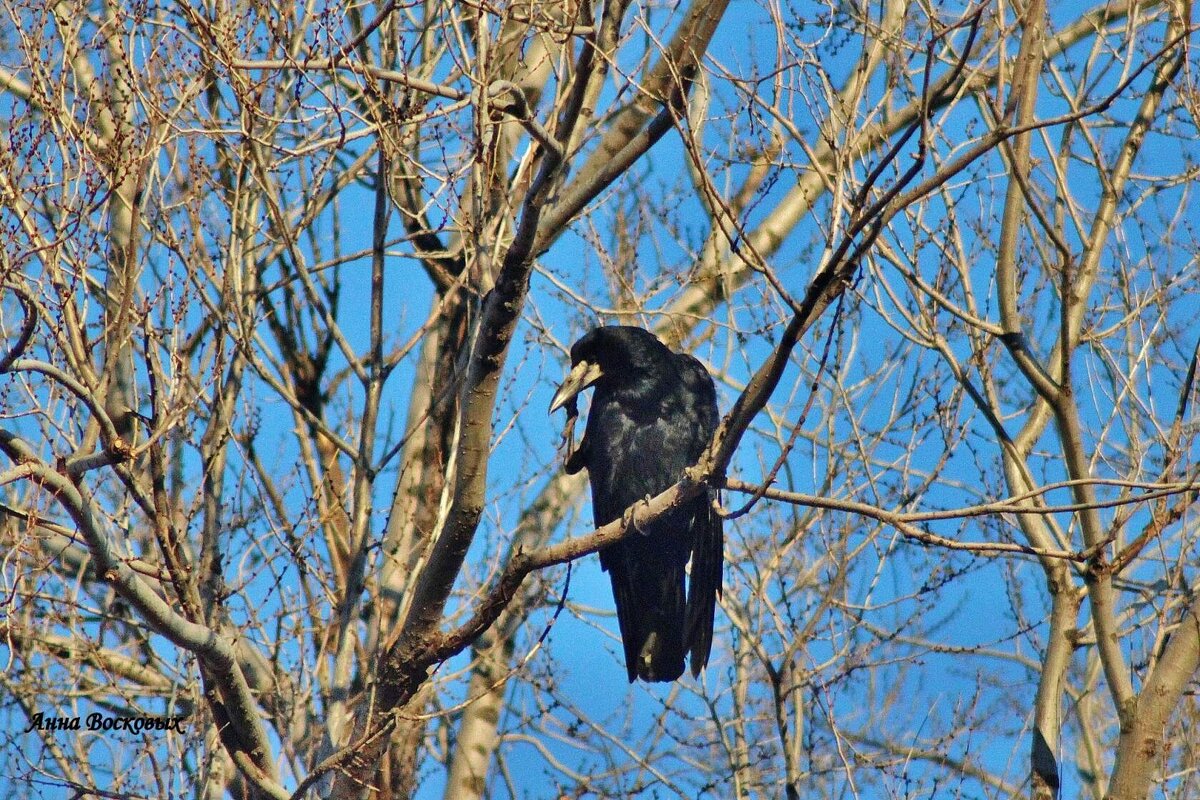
(705,584)
(661,655)
(651,609)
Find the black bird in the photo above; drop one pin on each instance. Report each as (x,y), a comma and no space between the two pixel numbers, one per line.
(652,415)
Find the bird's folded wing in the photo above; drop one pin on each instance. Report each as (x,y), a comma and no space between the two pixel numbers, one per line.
(704,586)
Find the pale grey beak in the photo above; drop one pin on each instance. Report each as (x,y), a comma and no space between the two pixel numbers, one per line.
(582,375)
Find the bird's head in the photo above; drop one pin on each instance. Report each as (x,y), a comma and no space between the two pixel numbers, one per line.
(628,354)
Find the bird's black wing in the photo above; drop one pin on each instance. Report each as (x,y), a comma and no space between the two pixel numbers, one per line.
(706,531)
(630,458)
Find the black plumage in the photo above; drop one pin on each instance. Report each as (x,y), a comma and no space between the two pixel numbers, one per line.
(653,413)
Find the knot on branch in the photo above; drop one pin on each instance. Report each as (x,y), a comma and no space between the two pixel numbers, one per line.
(1013,340)
(120,450)
(506,97)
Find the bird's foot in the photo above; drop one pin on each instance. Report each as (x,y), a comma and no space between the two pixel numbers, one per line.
(629,518)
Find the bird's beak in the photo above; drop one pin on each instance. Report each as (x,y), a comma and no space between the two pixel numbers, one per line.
(582,375)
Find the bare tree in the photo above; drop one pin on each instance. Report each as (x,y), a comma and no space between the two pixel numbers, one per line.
(285,292)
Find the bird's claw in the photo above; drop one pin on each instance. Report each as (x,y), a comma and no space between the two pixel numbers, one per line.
(629,518)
